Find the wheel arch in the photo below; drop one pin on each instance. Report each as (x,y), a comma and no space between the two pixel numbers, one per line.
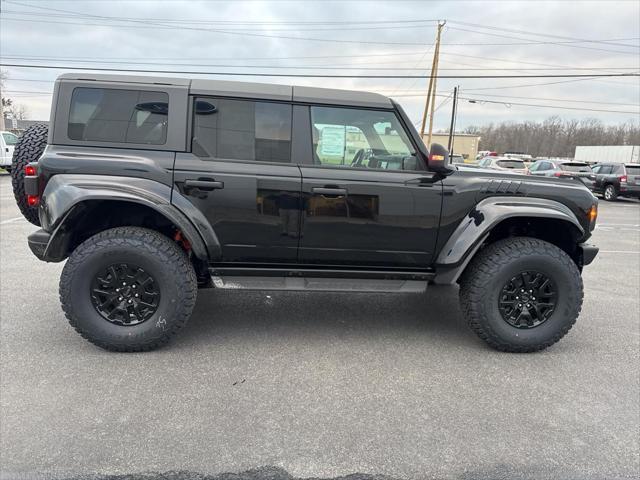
(73,209)
(500,217)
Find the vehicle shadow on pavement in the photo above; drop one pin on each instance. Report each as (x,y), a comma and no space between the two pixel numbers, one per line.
(434,316)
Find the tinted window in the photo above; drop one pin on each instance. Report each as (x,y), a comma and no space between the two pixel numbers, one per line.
(242,130)
(605,169)
(510,163)
(575,167)
(121,116)
(633,170)
(359,138)
(9,138)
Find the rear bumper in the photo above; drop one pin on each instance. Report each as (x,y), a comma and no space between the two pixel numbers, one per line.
(38,242)
(629,191)
(589,252)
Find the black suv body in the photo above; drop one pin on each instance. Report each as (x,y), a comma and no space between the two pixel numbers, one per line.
(154,187)
(615,180)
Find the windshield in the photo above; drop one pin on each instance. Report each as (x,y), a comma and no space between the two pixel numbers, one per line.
(510,163)
(9,138)
(575,167)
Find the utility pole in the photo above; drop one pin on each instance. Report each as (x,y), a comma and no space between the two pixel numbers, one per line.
(431,91)
(1,111)
(454,113)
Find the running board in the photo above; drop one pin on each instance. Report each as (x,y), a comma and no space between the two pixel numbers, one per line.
(320,280)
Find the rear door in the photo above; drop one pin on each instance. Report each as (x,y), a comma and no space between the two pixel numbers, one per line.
(368,200)
(239,173)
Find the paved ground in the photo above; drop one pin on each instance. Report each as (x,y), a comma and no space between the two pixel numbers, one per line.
(322,385)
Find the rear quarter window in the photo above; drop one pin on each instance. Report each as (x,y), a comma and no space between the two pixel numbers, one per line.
(575,167)
(510,163)
(118,116)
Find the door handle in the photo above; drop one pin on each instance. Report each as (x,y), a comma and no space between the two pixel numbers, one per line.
(206,185)
(421,181)
(330,191)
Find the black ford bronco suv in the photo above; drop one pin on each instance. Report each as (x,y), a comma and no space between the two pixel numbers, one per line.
(153,188)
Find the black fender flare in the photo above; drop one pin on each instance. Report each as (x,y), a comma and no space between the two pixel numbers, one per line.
(65,195)
(474,228)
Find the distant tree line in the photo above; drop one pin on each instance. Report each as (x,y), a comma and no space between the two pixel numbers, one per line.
(553,137)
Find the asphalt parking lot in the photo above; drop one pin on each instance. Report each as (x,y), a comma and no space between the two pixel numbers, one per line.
(323,385)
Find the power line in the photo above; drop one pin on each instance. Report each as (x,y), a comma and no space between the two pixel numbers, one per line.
(418,24)
(421,94)
(502,87)
(509,104)
(314,75)
(503,29)
(333,66)
(164,25)
(569,43)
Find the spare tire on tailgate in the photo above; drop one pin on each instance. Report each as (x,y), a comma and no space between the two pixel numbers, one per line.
(28,149)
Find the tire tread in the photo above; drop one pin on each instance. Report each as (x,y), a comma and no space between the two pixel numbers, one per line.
(473,288)
(135,238)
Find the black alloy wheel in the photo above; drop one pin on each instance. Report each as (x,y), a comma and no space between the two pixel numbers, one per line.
(125,294)
(528,300)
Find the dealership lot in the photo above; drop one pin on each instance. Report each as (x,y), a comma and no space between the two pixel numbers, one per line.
(322,384)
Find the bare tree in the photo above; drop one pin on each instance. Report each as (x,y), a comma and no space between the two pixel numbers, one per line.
(18,111)
(554,137)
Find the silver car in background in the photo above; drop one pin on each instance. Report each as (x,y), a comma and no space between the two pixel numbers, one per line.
(514,165)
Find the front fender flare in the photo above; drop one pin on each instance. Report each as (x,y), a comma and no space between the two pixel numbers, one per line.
(65,194)
(477,225)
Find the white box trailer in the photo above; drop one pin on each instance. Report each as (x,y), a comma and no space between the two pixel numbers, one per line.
(608,154)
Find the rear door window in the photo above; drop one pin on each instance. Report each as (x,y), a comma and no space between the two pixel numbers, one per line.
(118,116)
(242,130)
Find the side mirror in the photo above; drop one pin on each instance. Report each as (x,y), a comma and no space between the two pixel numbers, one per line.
(438,160)
(410,163)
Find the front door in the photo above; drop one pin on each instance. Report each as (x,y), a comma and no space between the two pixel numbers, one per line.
(367,200)
(239,174)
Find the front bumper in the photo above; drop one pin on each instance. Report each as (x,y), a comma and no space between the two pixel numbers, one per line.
(589,252)
(38,242)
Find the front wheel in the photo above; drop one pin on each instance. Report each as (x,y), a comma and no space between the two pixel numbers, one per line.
(521,294)
(610,193)
(128,289)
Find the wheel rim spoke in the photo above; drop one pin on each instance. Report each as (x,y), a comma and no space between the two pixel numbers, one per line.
(125,294)
(527,300)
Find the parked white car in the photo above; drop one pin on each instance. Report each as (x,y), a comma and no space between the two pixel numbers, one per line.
(7,144)
(514,165)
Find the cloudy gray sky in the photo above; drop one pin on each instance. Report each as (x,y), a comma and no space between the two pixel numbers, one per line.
(348,38)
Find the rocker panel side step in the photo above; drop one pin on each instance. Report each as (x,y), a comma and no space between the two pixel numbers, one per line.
(320,280)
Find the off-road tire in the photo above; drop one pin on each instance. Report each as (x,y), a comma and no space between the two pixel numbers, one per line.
(153,252)
(28,149)
(488,272)
(610,193)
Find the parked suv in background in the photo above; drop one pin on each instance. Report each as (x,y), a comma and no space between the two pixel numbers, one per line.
(514,165)
(151,188)
(615,180)
(554,168)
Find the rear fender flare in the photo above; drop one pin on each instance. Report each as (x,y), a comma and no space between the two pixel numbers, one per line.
(66,195)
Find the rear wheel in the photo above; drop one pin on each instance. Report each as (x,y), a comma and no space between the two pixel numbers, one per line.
(610,193)
(128,289)
(28,149)
(521,294)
